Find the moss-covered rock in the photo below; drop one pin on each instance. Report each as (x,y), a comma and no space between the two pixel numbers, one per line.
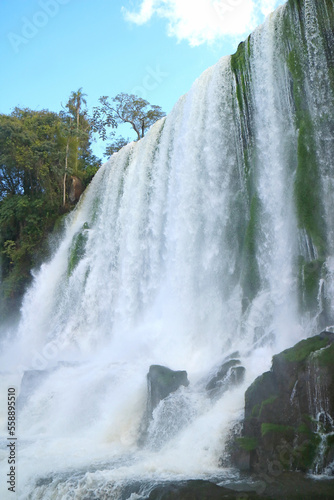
(78,248)
(289,410)
(301,351)
(251,272)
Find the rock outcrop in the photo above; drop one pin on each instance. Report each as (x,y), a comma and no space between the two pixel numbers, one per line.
(161,382)
(289,411)
(77,188)
(230,373)
(31,381)
(200,490)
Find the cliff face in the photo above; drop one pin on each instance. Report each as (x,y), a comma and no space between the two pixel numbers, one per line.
(304,81)
(289,411)
(208,239)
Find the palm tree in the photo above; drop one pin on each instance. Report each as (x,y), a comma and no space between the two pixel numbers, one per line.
(75,102)
(74,105)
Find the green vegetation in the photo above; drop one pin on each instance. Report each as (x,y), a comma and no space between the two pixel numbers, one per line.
(303,429)
(255,411)
(305,453)
(309,276)
(46,162)
(247,444)
(39,158)
(258,408)
(281,429)
(303,349)
(77,248)
(325,18)
(330,440)
(307,186)
(326,357)
(124,108)
(267,402)
(239,65)
(260,382)
(307,183)
(251,273)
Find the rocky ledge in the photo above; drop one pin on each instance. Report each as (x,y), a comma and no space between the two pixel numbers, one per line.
(288,424)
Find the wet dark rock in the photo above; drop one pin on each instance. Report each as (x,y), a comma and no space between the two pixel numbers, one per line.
(199,490)
(229,374)
(289,411)
(31,381)
(237,375)
(161,382)
(327,335)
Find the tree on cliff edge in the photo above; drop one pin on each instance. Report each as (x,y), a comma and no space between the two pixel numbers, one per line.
(125,108)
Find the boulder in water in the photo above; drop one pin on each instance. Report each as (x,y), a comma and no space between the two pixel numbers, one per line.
(229,374)
(162,381)
(31,381)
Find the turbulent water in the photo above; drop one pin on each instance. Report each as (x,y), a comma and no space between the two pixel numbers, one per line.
(213,234)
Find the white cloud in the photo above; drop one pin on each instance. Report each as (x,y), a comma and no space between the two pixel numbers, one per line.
(267,6)
(200,21)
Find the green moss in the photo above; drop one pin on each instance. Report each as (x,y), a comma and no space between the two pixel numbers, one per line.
(330,440)
(308,420)
(303,349)
(304,454)
(307,182)
(240,68)
(59,224)
(263,381)
(326,357)
(78,248)
(247,443)
(256,411)
(309,277)
(258,408)
(251,273)
(296,4)
(267,402)
(304,429)
(275,428)
(307,186)
(325,18)
(238,60)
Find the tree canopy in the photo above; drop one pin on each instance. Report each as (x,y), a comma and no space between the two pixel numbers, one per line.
(124,108)
(45,162)
(41,153)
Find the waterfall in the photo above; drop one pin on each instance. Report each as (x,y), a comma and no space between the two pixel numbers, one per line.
(208,237)
(318,400)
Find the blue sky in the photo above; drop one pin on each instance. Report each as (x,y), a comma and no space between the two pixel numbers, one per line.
(153,48)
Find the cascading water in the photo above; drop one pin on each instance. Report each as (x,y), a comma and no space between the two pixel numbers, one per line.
(318,399)
(209,236)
